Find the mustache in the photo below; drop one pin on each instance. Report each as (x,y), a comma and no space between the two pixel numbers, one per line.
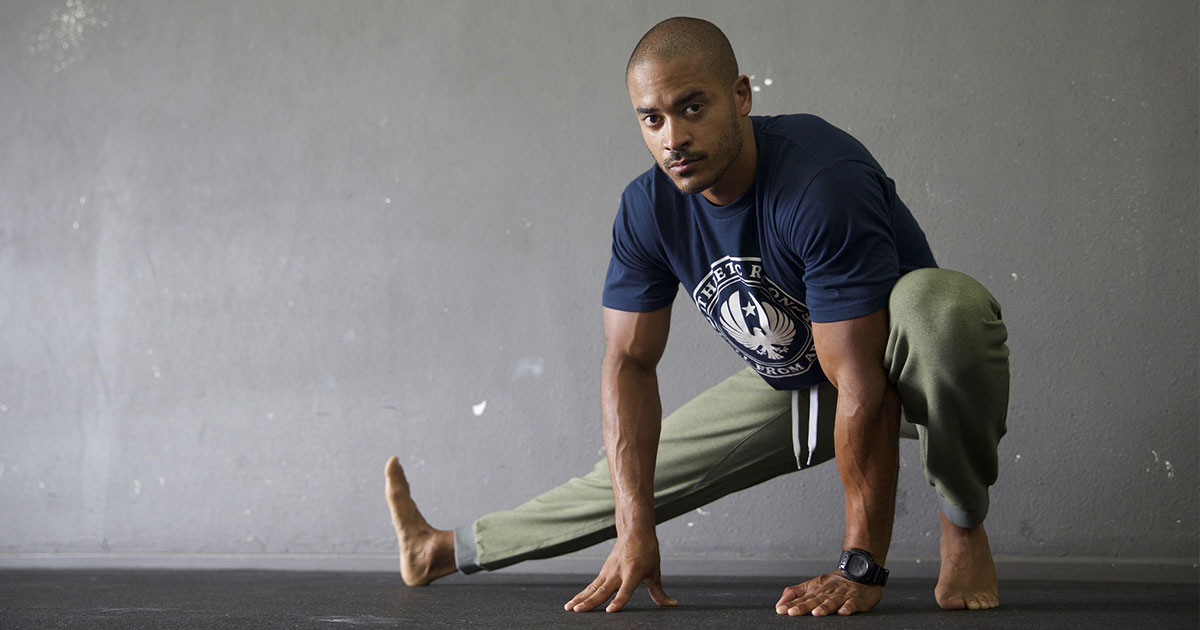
(675,157)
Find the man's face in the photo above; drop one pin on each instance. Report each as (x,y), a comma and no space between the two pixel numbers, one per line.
(689,121)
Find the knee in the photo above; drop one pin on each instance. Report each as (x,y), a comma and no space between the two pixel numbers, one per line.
(930,304)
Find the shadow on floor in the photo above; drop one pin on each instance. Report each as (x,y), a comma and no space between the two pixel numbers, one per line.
(137,599)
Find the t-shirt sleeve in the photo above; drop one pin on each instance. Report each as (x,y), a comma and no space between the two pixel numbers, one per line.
(639,279)
(845,239)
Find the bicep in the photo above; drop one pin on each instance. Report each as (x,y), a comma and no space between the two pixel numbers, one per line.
(851,352)
(640,337)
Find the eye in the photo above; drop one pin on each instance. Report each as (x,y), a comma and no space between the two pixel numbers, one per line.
(650,120)
(692,109)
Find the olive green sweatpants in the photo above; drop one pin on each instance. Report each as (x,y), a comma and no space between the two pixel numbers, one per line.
(946,355)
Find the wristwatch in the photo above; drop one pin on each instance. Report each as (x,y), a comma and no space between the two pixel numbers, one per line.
(857,565)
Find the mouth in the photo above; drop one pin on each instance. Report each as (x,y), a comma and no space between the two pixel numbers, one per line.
(683,167)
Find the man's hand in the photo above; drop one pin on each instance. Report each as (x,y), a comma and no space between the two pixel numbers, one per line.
(633,344)
(634,560)
(828,594)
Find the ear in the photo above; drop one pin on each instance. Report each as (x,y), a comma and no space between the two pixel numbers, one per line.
(742,95)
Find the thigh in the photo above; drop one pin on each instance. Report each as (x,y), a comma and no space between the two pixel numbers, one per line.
(736,426)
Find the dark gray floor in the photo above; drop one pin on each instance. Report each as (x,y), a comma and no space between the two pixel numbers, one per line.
(133,600)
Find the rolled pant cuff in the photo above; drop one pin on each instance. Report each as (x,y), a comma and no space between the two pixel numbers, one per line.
(466,554)
(961,517)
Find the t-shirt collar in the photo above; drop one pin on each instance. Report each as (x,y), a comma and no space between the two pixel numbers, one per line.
(743,203)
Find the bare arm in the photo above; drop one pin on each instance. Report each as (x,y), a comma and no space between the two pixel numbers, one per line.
(866,443)
(867,428)
(634,343)
(632,411)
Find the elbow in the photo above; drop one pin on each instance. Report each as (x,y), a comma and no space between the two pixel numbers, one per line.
(871,408)
(621,360)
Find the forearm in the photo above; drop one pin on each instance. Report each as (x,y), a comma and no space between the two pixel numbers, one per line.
(866,442)
(632,414)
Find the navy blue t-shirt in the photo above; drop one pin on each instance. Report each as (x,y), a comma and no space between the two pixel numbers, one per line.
(820,237)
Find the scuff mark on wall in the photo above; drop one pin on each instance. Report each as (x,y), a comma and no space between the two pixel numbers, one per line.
(69,29)
(756,87)
(528,366)
(1160,463)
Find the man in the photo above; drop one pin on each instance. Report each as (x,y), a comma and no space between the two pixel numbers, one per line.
(795,247)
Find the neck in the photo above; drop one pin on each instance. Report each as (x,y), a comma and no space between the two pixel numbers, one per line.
(738,178)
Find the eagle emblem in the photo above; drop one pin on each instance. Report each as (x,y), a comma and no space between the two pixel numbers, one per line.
(761,321)
(770,337)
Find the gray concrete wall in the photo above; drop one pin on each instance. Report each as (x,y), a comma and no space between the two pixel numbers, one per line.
(250,250)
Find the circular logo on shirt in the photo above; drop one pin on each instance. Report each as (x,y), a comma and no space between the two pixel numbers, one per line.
(770,329)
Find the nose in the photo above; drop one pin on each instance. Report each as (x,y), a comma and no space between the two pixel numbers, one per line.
(675,135)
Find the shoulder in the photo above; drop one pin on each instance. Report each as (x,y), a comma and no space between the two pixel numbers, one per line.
(845,178)
(802,157)
(793,127)
(808,141)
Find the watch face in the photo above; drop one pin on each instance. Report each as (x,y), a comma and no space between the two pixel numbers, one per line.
(856,565)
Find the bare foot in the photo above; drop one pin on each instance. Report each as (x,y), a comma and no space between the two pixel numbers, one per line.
(426,554)
(968,575)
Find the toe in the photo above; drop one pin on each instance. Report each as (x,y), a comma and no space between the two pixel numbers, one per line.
(951,603)
(392,473)
(396,481)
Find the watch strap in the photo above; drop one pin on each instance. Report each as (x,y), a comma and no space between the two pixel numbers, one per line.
(875,574)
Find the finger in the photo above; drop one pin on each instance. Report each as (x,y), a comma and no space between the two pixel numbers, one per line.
(597,597)
(791,597)
(825,607)
(591,601)
(659,596)
(580,596)
(849,608)
(800,606)
(789,594)
(623,596)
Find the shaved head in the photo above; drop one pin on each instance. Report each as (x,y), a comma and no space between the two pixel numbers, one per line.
(690,38)
(693,108)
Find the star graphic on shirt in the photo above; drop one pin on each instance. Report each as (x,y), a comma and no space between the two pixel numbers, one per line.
(748,309)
